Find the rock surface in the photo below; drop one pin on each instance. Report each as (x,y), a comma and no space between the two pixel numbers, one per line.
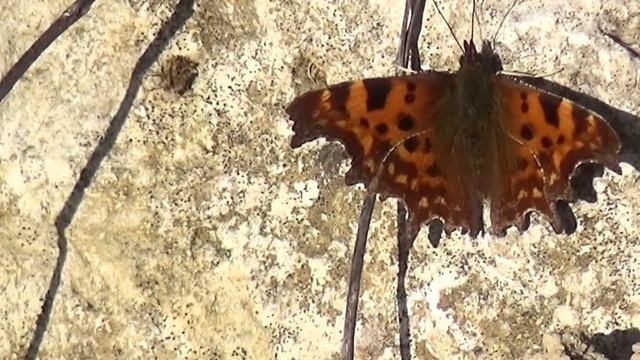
(204,235)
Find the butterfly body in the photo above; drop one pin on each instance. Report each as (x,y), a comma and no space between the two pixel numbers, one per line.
(445,142)
(467,114)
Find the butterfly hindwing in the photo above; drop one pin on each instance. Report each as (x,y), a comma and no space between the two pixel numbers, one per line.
(387,126)
(517,186)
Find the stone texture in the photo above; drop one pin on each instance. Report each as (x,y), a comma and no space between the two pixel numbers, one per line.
(205,236)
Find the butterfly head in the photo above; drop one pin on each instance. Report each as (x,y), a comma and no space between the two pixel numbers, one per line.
(486,58)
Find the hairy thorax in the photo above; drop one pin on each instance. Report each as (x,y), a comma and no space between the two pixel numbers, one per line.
(469,118)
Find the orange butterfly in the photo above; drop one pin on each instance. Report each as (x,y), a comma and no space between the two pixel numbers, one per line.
(444,142)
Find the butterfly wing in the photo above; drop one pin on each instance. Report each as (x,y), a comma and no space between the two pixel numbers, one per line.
(549,136)
(387,126)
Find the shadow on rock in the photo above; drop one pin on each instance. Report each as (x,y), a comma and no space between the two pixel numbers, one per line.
(617,345)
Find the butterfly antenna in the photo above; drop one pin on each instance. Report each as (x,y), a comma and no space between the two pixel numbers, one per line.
(513,4)
(473,17)
(449,26)
(477,17)
(526,74)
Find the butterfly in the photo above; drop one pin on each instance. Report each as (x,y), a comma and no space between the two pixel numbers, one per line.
(445,143)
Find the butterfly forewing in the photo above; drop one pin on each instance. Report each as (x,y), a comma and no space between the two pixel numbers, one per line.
(387,126)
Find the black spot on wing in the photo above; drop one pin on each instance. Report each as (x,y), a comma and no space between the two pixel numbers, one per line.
(382,128)
(377,92)
(339,95)
(406,122)
(409,98)
(411,144)
(526,132)
(580,116)
(550,105)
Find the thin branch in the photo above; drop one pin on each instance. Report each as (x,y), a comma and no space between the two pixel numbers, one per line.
(182,13)
(72,14)
(357,263)
(408,50)
(402,59)
(406,235)
(415,26)
(407,53)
